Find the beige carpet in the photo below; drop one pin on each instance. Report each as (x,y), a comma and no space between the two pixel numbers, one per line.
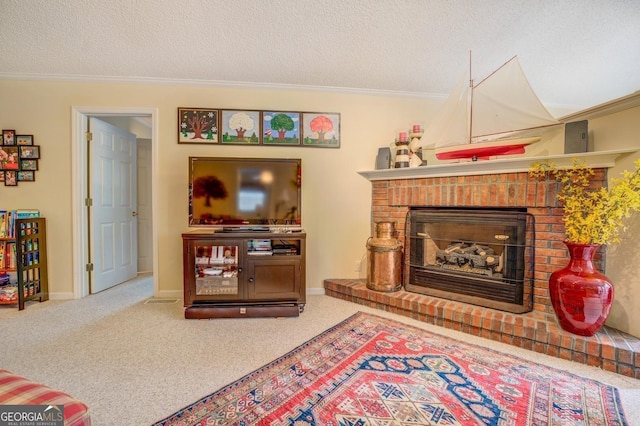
(135,362)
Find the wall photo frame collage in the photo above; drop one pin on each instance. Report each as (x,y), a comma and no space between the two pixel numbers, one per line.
(18,158)
(207,126)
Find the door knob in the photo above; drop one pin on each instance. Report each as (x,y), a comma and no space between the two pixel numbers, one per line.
(134,214)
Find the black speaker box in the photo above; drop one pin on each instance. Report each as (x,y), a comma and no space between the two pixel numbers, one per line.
(383,159)
(576,137)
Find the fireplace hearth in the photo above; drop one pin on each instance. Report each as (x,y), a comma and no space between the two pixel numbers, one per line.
(494,185)
(479,256)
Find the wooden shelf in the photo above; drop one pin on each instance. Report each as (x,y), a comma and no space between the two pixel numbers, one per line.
(31,260)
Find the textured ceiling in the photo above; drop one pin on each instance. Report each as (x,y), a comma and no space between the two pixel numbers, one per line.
(576,53)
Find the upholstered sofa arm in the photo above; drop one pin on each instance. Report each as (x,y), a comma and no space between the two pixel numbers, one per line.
(17,390)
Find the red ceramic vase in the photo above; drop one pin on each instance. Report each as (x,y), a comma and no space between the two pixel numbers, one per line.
(581,296)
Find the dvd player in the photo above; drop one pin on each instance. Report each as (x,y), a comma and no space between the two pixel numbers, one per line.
(246,229)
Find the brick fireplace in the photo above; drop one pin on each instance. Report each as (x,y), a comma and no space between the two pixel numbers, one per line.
(393,198)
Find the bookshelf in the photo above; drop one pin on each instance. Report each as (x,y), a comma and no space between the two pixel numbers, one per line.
(23,258)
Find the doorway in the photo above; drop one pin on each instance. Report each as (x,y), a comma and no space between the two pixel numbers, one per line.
(80,178)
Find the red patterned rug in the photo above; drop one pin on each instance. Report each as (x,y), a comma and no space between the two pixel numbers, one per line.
(369,370)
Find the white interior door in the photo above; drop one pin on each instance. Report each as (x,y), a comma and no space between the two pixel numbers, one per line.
(113,221)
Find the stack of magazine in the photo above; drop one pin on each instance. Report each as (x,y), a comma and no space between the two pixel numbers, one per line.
(260,247)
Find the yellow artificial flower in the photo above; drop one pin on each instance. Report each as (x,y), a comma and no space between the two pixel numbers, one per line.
(592,216)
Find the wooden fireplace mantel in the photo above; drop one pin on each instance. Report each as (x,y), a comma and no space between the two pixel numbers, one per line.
(487,167)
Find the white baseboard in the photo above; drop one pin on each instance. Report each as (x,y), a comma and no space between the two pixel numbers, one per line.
(61,296)
(170,294)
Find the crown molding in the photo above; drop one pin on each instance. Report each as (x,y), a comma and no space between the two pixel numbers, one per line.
(77,78)
(607,108)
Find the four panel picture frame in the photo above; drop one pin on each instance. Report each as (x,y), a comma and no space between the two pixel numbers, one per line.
(211,126)
(18,158)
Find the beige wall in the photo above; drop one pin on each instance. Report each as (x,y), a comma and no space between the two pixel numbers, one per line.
(618,131)
(336,200)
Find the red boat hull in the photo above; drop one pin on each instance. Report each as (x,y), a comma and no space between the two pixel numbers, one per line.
(485,150)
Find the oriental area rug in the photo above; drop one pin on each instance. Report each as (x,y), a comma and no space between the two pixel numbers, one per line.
(370,370)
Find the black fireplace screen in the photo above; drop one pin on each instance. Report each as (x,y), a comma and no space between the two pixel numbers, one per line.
(479,256)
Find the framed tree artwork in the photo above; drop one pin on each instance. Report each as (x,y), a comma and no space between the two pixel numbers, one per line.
(281,128)
(321,129)
(240,127)
(198,125)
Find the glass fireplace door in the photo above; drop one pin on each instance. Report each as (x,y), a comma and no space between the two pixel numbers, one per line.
(477,255)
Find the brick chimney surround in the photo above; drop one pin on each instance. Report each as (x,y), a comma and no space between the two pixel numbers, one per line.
(503,183)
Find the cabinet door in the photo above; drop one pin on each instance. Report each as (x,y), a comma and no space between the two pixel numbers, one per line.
(214,270)
(273,279)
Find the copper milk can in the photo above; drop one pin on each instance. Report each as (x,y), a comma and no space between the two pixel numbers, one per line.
(384,259)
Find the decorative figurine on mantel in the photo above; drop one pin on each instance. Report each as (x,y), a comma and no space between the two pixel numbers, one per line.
(415,151)
(402,151)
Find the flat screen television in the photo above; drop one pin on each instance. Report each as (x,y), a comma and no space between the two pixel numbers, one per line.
(245,192)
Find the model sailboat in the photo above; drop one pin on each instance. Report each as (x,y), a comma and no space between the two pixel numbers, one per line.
(501,115)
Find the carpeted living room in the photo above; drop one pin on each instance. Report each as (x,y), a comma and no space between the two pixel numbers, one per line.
(135,360)
(298,213)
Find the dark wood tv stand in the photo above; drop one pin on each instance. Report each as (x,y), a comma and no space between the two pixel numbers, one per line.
(243,274)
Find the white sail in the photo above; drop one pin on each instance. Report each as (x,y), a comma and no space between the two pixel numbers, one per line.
(474,121)
(451,122)
(505,102)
